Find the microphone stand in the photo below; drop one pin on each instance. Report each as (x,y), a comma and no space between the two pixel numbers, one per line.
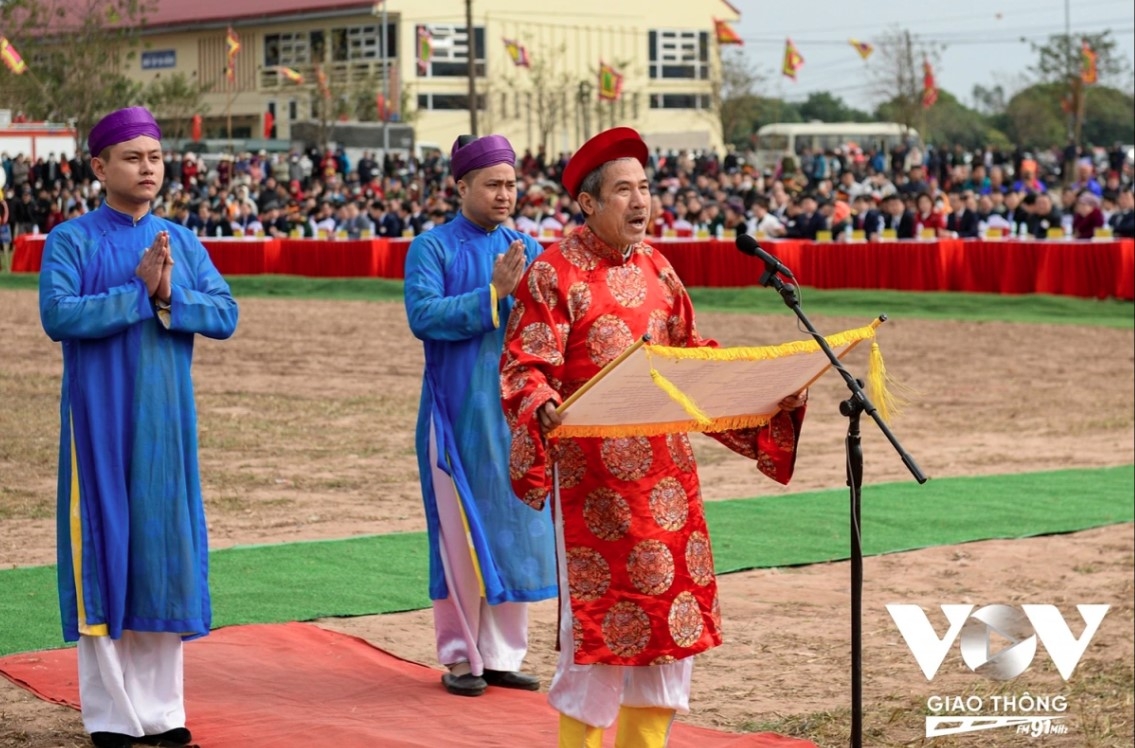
(851,408)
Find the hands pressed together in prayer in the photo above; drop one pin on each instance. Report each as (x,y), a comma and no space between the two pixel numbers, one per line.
(508,269)
(550,419)
(156,268)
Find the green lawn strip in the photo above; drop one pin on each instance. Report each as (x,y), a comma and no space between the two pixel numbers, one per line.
(389,573)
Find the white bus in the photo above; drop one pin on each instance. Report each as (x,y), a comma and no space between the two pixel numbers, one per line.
(781,139)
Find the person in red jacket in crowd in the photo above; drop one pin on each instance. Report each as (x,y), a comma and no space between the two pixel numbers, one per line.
(928,216)
(1087,216)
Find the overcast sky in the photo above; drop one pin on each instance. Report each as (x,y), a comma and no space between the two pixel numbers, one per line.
(982,39)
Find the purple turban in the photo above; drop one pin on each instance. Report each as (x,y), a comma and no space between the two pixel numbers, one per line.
(487,151)
(118,127)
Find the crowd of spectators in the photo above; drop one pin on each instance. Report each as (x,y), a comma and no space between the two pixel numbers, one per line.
(910,192)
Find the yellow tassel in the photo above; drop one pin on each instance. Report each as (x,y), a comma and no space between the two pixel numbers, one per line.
(880,386)
(680,397)
(714,425)
(765,353)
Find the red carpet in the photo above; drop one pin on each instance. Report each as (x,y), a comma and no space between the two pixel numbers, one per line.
(298,684)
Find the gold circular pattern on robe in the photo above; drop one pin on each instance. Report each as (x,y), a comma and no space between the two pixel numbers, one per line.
(542,282)
(651,567)
(668,280)
(570,462)
(627,285)
(574,253)
(686,625)
(658,327)
(608,337)
(699,558)
(627,458)
(514,320)
(669,504)
(626,629)
(681,451)
(538,340)
(607,514)
(521,454)
(579,300)
(589,576)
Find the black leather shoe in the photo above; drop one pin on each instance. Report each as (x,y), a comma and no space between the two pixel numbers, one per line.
(112,740)
(178,736)
(510,679)
(464,685)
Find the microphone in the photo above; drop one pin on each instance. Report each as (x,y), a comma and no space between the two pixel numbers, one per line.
(748,245)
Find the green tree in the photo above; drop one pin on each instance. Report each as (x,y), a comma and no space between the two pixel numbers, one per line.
(896,76)
(1034,118)
(1109,116)
(1060,61)
(826,107)
(75,51)
(949,123)
(175,99)
(734,102)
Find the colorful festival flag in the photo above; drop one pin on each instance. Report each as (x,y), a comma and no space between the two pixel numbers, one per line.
(929,87)
(517,52)
(232,46)
(11,57)
(863,48)
(610,83)
(1089,66)
(321,80)
(793,61)
(293,75)
(726,34)
(425,49)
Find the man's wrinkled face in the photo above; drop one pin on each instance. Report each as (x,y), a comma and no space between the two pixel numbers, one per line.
(619,215)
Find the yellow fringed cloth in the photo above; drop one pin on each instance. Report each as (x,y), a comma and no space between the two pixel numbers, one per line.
(651,389)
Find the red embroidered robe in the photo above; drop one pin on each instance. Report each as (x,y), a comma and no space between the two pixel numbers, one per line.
(640,567)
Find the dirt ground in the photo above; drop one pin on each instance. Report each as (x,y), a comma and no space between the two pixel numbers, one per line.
(307,419)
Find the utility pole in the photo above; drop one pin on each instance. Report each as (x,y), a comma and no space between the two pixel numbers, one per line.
(472,68)
(382,36)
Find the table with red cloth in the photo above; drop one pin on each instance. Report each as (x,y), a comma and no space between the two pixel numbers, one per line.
(254,256)
(1088,269)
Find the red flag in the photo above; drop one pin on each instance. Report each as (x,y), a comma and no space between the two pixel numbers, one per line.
(11,57)
(863,48)
(517,52)
(610,83)
(1089,69)
(725,33)
(793,61)
(232,46)
(380,106)
(269,124)
(929,87)
(195,128)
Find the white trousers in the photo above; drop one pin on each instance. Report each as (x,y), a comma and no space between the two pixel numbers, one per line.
(133,685)
(467,628)
(593,694)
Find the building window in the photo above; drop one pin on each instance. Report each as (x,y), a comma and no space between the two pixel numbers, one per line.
(679,54)
(293,49)
(449,51)
(443,102)
(353,43)
(679,101)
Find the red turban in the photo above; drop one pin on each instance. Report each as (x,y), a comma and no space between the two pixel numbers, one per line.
(618,142)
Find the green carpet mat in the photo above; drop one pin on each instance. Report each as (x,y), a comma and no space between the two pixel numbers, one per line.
(388,573)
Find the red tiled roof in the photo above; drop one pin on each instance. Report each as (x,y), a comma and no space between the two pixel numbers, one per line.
(185,12)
